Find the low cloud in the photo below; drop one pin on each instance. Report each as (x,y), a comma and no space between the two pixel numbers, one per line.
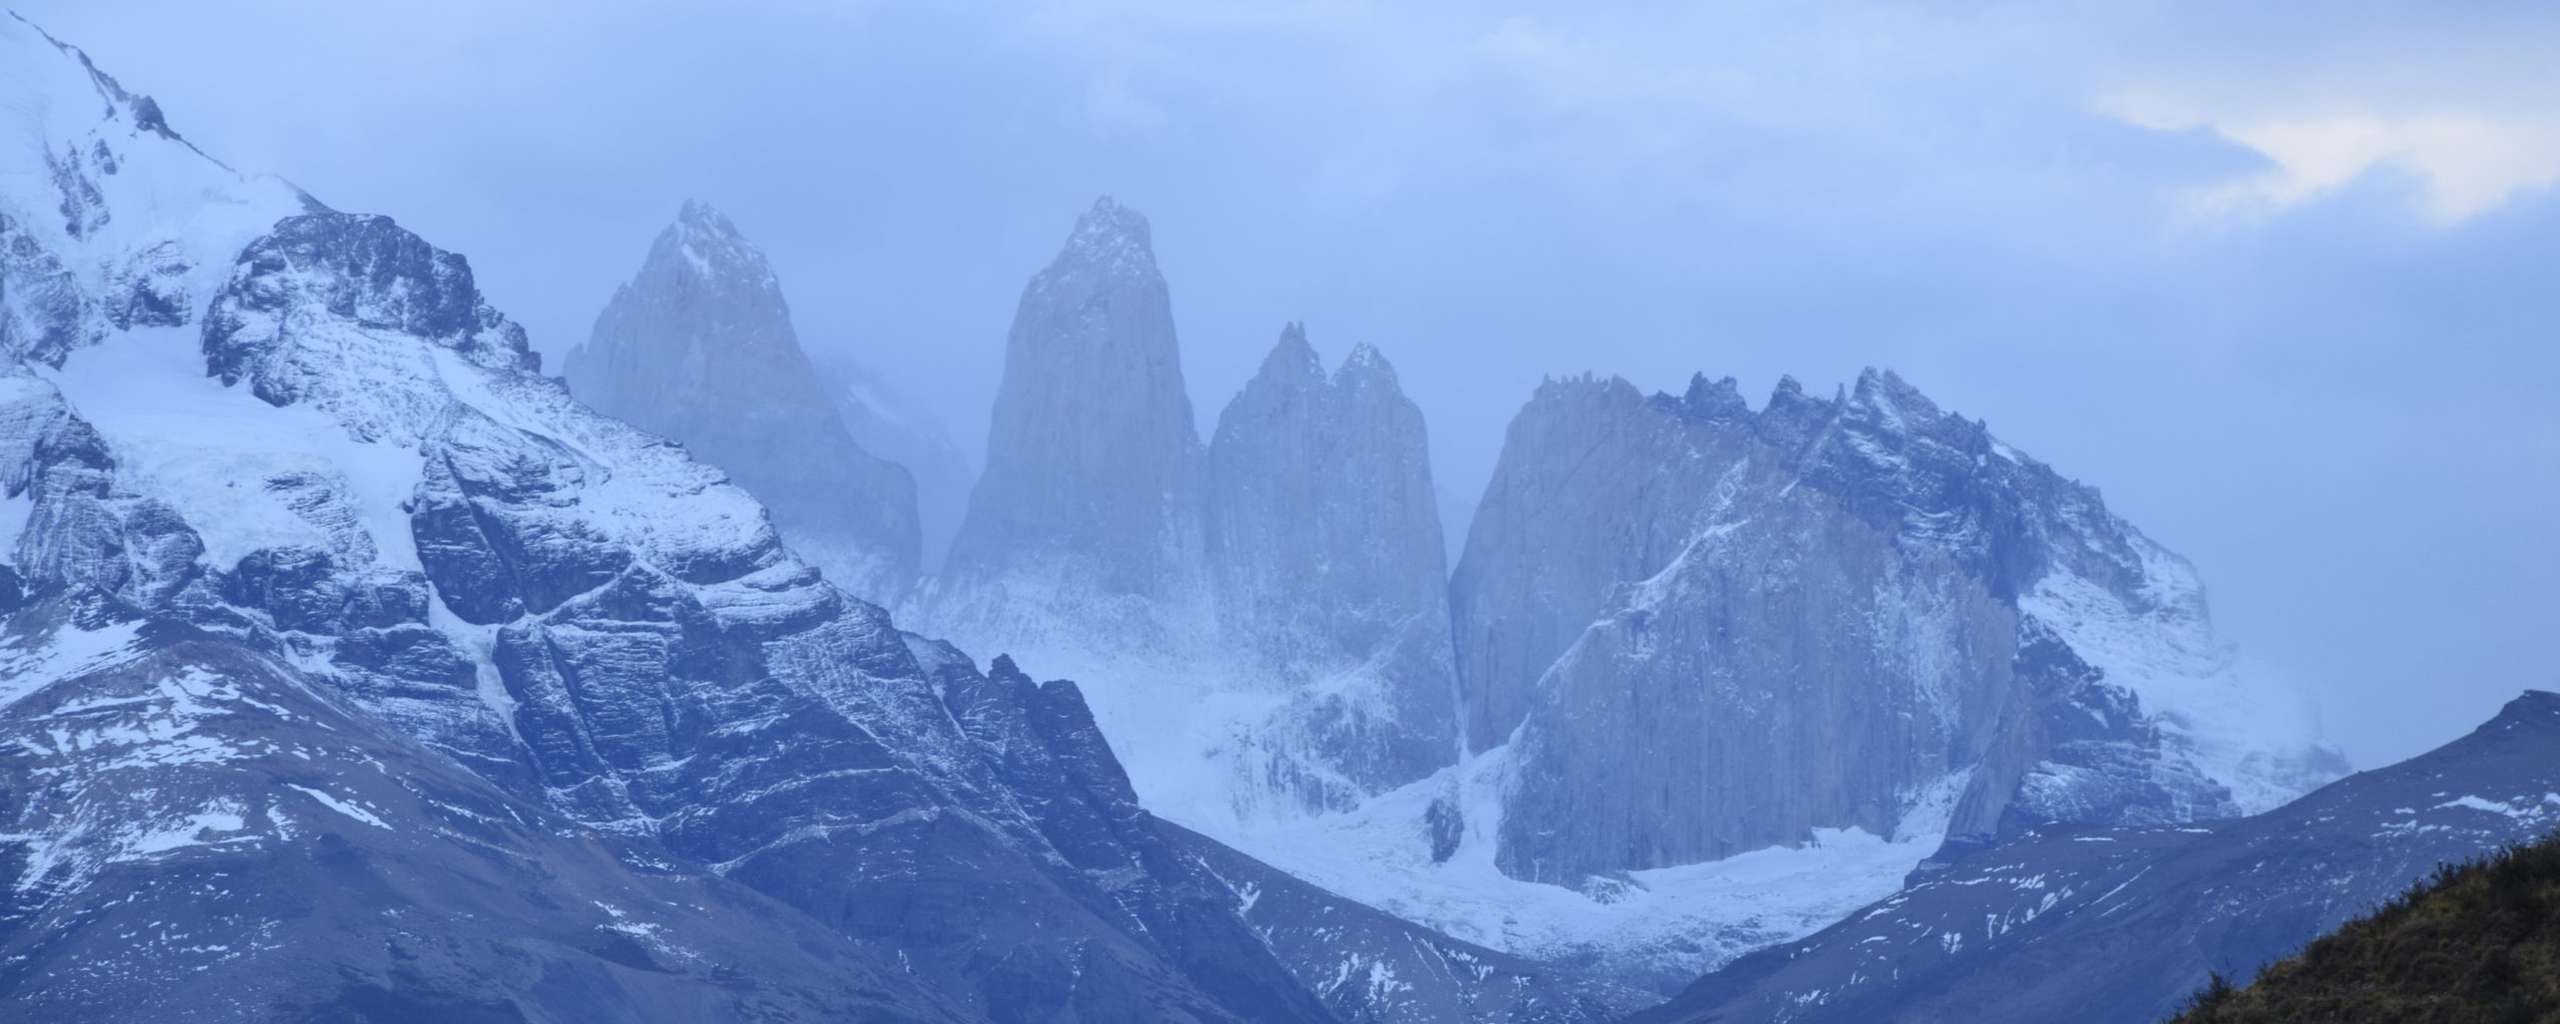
(2463,162)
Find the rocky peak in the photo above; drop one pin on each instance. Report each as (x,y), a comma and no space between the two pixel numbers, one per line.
(1323,537)
(2538,709)
(142,110)
(1793,420)
(1366,367)
(106,224)
(1092,458)
(1111,238)
(699,346)
(1718,401)
(700,215)
(1891,401)
(382,276)
(323,284)
(1292,361)
(703,242)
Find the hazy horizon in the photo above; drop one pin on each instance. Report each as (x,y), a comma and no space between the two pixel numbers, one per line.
(2280,288)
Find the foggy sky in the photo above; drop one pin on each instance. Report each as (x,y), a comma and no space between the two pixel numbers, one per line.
(2283,287)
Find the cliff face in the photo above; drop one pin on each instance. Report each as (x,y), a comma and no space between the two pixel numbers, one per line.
(699,346)
(1596,485)
(1093,464)
(1264,619)
(1709,630)
(1326,562)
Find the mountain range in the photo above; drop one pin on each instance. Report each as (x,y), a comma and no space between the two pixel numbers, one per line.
(354,669)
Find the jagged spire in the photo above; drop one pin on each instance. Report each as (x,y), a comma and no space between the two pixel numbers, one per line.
(696,213)
(1714,399)
(1366,365)
(704,243)
(1091,449)
(699,346)
(1110,236)
(1292,358)
(1896,404)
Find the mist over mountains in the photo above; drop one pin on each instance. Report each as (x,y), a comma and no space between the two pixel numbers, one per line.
(353,668)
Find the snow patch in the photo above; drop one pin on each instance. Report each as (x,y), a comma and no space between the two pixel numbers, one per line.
(1679,920)
(341,806)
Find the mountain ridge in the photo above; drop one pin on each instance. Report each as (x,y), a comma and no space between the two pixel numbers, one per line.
(2123,924)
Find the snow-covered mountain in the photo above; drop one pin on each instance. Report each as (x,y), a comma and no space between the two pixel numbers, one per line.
(1692,647)
(351,669)
(349,662)
(2122,924)
(699,346)
(1721,672)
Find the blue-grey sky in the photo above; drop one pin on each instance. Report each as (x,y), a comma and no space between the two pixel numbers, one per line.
(2282,282)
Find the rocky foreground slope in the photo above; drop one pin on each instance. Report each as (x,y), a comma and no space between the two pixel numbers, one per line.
(2125,924)
(2478,942)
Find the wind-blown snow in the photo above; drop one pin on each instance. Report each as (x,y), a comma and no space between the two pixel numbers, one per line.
(2232,727)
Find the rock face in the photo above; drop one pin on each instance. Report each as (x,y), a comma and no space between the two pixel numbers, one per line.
(1707,630)
(1264,620)
(1093,464)
(1326,559)
(2122,924)
(699,347)
(206,834)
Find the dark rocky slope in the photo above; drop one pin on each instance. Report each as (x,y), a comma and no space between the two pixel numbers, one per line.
(2123,924)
